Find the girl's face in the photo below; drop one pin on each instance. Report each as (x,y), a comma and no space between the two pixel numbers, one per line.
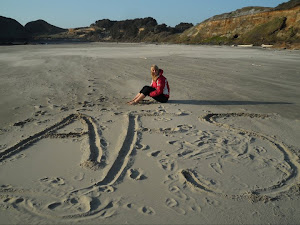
(153,71)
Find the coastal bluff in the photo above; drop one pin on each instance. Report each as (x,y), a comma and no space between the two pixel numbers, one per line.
(250,25)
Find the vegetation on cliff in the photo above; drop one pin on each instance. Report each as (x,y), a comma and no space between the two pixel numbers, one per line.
(288,5)
(265,33)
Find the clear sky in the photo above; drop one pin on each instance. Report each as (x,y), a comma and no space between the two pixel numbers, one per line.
(80,13)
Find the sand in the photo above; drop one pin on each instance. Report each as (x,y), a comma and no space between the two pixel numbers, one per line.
(223,150)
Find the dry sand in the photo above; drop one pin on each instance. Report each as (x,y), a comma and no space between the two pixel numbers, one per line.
(223,150)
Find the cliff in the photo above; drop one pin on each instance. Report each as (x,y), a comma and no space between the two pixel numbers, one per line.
(136,30)
(12,32)
(251,25)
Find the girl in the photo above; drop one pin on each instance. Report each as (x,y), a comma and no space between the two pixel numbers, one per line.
(159,89)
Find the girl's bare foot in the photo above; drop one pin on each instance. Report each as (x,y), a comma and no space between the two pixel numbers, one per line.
(132,103)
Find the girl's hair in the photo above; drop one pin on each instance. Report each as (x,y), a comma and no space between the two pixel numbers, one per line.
(155,67)
(154,78)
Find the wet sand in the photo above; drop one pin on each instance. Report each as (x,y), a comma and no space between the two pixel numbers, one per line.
(223,150)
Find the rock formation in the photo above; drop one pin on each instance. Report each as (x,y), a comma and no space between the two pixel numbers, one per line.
(12,32)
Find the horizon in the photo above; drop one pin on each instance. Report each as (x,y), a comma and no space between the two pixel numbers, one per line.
(78,13)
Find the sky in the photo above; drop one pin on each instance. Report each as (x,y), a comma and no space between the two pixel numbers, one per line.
(82,13)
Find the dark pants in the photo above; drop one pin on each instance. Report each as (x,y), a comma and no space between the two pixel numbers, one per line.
(146,90)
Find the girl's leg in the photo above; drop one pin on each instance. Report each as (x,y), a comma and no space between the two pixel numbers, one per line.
(136,100)
(138,95)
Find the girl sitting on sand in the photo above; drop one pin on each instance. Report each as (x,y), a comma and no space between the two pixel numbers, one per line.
(159,89)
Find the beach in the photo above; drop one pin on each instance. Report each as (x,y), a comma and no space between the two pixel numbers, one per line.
(223,150)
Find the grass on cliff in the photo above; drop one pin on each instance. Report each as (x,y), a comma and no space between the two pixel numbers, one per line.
(217,40)
(199,39)
(264,33)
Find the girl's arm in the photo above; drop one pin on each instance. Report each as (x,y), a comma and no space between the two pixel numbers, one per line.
(160,88)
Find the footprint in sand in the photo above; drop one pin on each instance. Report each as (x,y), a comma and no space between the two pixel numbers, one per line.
(212,202)
(55,182)
(173,204)
(136,174)
(170,202)
(42,113)
(2,131)
(54,205)
(163,119)
(168,165)
(184,128)
(80,204)
(82,207)
(79,177)
(22,123)
(178,192)
(176,143)
(3,147)
(146,210)
(184,153)
(154,154)
(129,206)
(195,208)
(142,147)
(12,200)
(217,167)
(102,99)
(180,113)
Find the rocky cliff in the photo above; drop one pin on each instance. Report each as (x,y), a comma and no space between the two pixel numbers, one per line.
(136,30)
(251,25)
(12,32)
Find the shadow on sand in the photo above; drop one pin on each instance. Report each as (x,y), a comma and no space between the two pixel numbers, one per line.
(216,102)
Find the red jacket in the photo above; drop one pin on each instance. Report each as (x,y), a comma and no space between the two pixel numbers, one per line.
(161,85)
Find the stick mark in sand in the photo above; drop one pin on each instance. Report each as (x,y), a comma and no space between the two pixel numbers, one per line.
(95,160)
(260,194)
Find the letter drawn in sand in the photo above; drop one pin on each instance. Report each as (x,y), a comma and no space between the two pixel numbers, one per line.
(94,160)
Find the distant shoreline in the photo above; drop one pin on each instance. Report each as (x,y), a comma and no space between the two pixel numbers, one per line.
(45,42)
(80,41)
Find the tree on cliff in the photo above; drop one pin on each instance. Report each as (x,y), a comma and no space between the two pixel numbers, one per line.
(183,26)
